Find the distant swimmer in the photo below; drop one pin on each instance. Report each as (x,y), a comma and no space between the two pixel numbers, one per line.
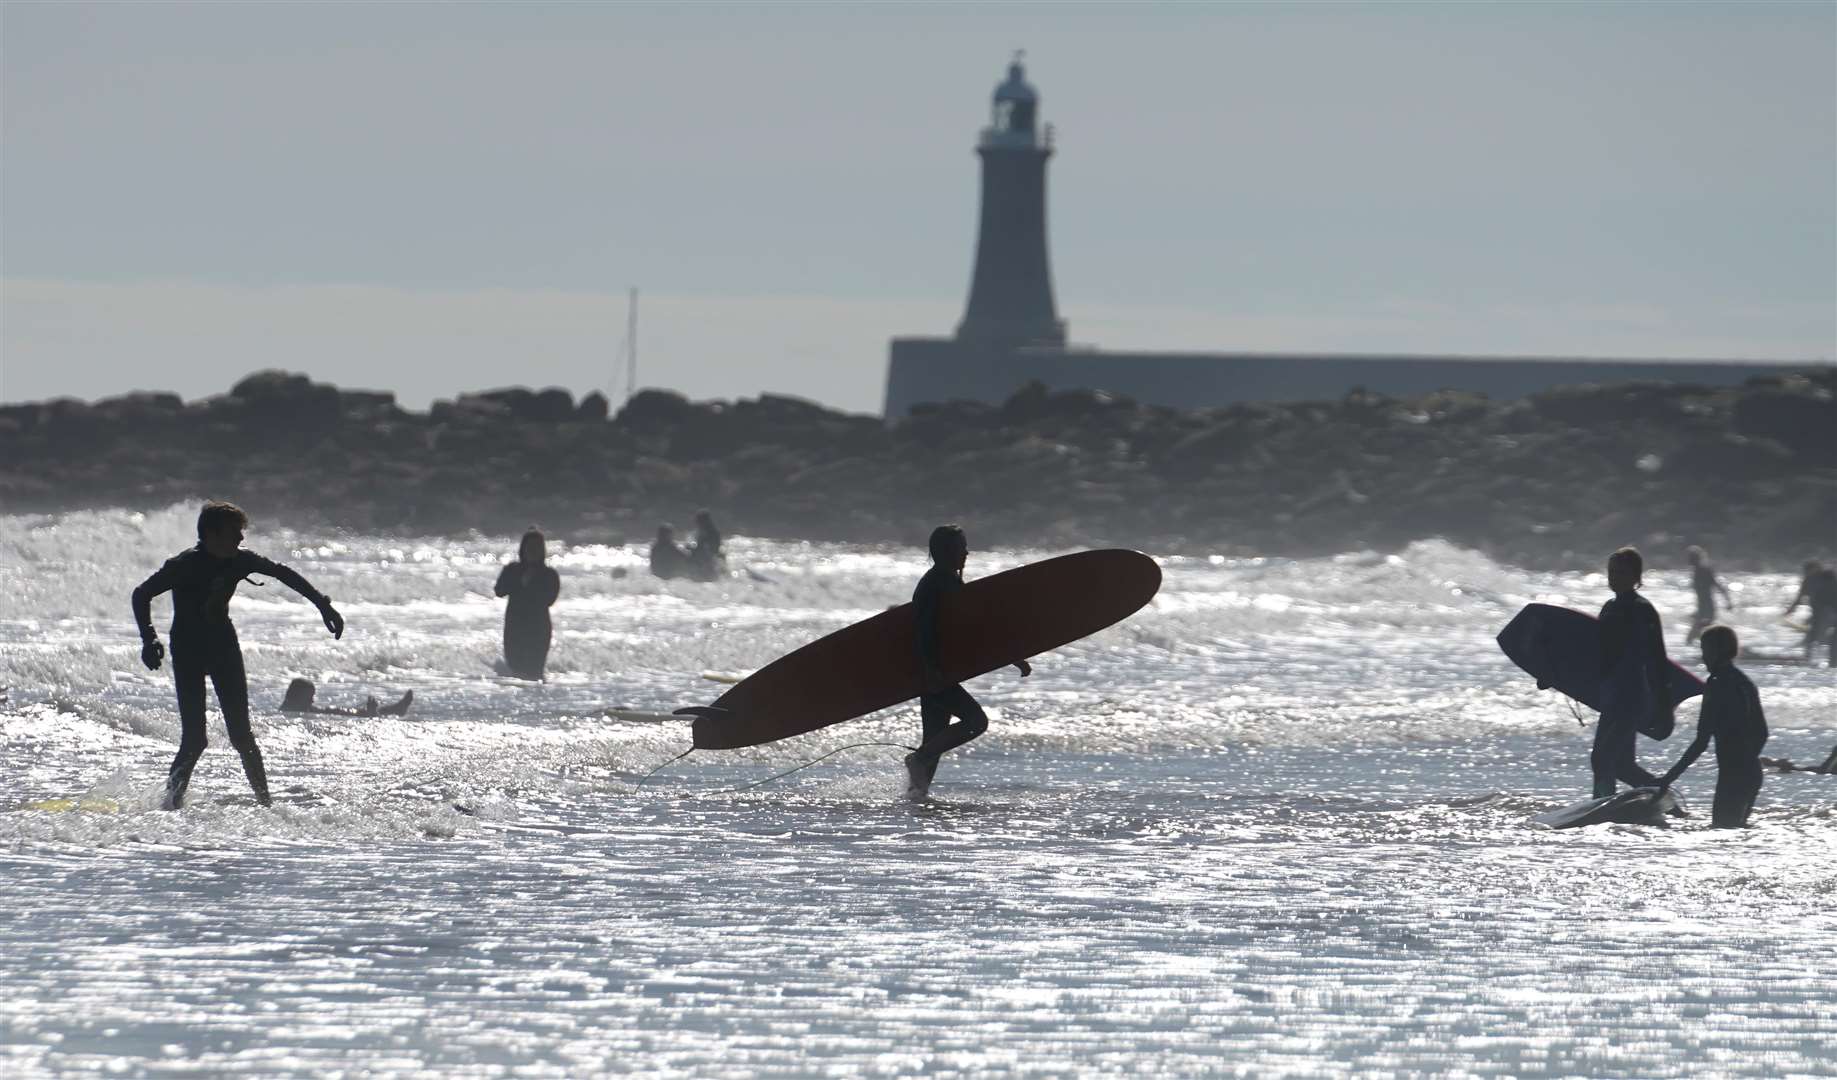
(532,586)
(204,643)
(942,700)
(1704,582)
(299,699)
(668,559)
(706,559)
(1633,676)
(1818,591)
(1732,717)
(1827,767)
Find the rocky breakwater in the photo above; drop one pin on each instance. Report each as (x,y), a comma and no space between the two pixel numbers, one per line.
(1750,472)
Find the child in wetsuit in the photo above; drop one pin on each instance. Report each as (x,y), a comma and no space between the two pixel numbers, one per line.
(202,580)
(1632,676)
(942,700)
(1732,717)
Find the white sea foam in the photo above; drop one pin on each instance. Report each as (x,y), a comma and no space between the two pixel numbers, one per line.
(1275,823)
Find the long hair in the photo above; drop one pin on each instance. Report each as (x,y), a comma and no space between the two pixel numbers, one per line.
(533,540)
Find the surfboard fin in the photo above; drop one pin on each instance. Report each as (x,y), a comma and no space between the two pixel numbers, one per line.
(712,712)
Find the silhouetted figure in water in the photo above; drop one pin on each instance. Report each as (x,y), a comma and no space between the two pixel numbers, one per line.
(1633,678)
(1732,717)
(1704,582)
(1827,767)
(532,586)
(299,699)
(668,559)
(942,700)
(204,644)
(1818,591)
(706,560)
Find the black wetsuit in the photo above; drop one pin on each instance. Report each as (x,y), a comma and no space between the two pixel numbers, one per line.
(204,644)
(669,560)
(1703,581)
(1731,716)
(936,709)
(1819,591)
(1632,689)
(527,631)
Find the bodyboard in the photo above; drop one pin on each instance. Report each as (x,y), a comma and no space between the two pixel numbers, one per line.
(988,624)
(1561,647)
(1641,806)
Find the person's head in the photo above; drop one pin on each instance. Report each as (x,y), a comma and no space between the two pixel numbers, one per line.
(949,547)
(1720,646)
(220,526)
(1812,566)
(299,696)
(666,534)
(1624,569)
(533,549)
(1694,554)
(704,520)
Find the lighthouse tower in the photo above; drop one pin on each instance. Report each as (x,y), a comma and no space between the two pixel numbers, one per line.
(1011,300)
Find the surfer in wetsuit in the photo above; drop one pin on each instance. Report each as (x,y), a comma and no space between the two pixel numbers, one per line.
(668,559)
(1633,677)
(1732,717)
(532,586)
(204,644)
(1818,591)
(942,700)
(1705,583)
(706,559)
(299,699)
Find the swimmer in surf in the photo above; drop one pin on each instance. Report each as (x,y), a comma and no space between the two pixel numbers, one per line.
(942,700)
(299,699)
(1633,677)
(1732,717)
(1706,584)
(531,586)
(668,559)
(204,644)
(1818,591)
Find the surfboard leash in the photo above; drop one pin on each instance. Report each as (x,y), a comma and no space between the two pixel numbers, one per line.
(813,761)
(665,765)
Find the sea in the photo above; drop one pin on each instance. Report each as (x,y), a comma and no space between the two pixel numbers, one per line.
(1277,823)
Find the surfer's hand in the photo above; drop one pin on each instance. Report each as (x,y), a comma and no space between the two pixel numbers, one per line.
(151,653)
(333,621)
(1542,685)
(1023,667)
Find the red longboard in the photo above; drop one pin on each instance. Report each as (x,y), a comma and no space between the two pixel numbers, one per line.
(988,624)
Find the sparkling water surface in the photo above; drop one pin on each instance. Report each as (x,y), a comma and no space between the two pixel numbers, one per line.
(1274,824)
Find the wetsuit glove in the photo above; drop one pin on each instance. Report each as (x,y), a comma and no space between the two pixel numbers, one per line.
(151,653)
(333,621)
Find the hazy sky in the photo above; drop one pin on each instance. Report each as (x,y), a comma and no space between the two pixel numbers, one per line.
(437,197)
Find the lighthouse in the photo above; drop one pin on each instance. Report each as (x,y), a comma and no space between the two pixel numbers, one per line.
(1011,300)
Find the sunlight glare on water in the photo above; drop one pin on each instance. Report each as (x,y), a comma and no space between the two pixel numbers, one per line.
(1276,823)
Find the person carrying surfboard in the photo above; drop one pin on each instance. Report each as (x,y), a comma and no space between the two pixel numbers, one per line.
(202,580)
(942,700)
(1731,716)
(1633,677)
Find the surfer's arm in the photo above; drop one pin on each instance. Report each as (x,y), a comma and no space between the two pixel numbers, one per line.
(286,575)
(551,587)
(294,580)
(925,610)
(158,584)
(1707,722)
(1023,667)
(507,580)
